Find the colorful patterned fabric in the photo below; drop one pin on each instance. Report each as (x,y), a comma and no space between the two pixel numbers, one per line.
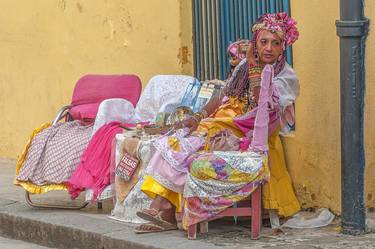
(218,180)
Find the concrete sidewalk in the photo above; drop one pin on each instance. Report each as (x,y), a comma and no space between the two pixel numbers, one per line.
(18,244)
(91,229)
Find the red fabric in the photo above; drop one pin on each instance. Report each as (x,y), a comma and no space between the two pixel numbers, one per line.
(94,170)
(91,90)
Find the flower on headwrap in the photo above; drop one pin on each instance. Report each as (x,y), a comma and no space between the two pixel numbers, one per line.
(279,23)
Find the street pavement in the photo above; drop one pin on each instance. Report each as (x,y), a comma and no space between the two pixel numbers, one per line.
(18,244)
(90,228)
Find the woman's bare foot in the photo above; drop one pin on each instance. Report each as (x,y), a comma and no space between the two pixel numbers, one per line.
(161,211)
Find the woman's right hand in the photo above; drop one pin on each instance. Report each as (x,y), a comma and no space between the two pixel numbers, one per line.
(190,122)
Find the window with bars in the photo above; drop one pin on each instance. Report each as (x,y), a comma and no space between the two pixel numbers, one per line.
(216,23)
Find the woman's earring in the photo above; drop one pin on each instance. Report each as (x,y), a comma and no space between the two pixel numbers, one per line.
(280,57)
(256,56)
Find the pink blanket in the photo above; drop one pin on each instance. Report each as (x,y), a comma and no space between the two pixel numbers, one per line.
(94,170)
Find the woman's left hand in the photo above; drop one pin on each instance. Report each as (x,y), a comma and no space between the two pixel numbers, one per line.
(251,58)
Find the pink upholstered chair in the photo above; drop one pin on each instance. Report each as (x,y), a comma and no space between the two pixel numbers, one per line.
(89,91)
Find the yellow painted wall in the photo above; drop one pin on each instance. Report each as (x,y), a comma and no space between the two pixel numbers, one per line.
(186,36)
(313,154)
(46,45)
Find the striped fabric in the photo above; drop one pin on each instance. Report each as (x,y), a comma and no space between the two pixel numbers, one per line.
(55,153)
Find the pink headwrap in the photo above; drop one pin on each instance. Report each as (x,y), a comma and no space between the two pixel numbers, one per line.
(279,23)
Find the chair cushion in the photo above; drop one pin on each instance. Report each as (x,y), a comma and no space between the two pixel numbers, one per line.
(84,112)
(91,90)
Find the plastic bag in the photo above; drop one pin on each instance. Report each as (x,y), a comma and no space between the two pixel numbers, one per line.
(323,217)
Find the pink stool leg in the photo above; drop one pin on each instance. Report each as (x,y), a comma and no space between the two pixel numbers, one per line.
(256,216)
(203,227)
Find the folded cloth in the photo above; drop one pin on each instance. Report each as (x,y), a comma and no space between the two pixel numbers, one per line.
(54,153)
(130,146)
(94,171)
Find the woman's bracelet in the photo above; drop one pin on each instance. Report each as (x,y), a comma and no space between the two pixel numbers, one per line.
(196,118)
(255,82)
(255,74)
(203,114)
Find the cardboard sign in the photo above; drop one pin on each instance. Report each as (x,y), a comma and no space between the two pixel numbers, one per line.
(126,167)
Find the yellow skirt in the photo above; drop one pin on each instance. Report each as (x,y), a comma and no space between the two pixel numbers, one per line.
(152,188)
(277,194)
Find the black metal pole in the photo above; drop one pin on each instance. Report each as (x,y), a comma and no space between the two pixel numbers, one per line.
(352,28)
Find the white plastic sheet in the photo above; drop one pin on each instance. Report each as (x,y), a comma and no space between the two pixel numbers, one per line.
(323,217)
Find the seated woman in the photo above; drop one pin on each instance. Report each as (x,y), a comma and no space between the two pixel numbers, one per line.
(215,129)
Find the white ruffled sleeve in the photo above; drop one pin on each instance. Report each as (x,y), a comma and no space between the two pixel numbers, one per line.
(288,86)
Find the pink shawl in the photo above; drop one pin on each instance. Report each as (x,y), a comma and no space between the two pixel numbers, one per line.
(94,170)
(263,119)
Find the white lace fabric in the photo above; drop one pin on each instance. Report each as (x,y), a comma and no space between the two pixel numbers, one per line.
(160,91)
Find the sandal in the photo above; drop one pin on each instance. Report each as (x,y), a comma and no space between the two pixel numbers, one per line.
(155,228)
(148,214)
(154,216)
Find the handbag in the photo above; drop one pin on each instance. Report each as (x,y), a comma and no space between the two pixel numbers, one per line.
(225,141)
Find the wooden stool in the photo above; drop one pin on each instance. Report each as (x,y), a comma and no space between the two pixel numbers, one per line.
(254,210)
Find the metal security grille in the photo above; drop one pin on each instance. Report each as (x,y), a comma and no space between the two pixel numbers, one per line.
(218,22)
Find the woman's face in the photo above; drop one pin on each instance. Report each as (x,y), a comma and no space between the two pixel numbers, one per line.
(269,47)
